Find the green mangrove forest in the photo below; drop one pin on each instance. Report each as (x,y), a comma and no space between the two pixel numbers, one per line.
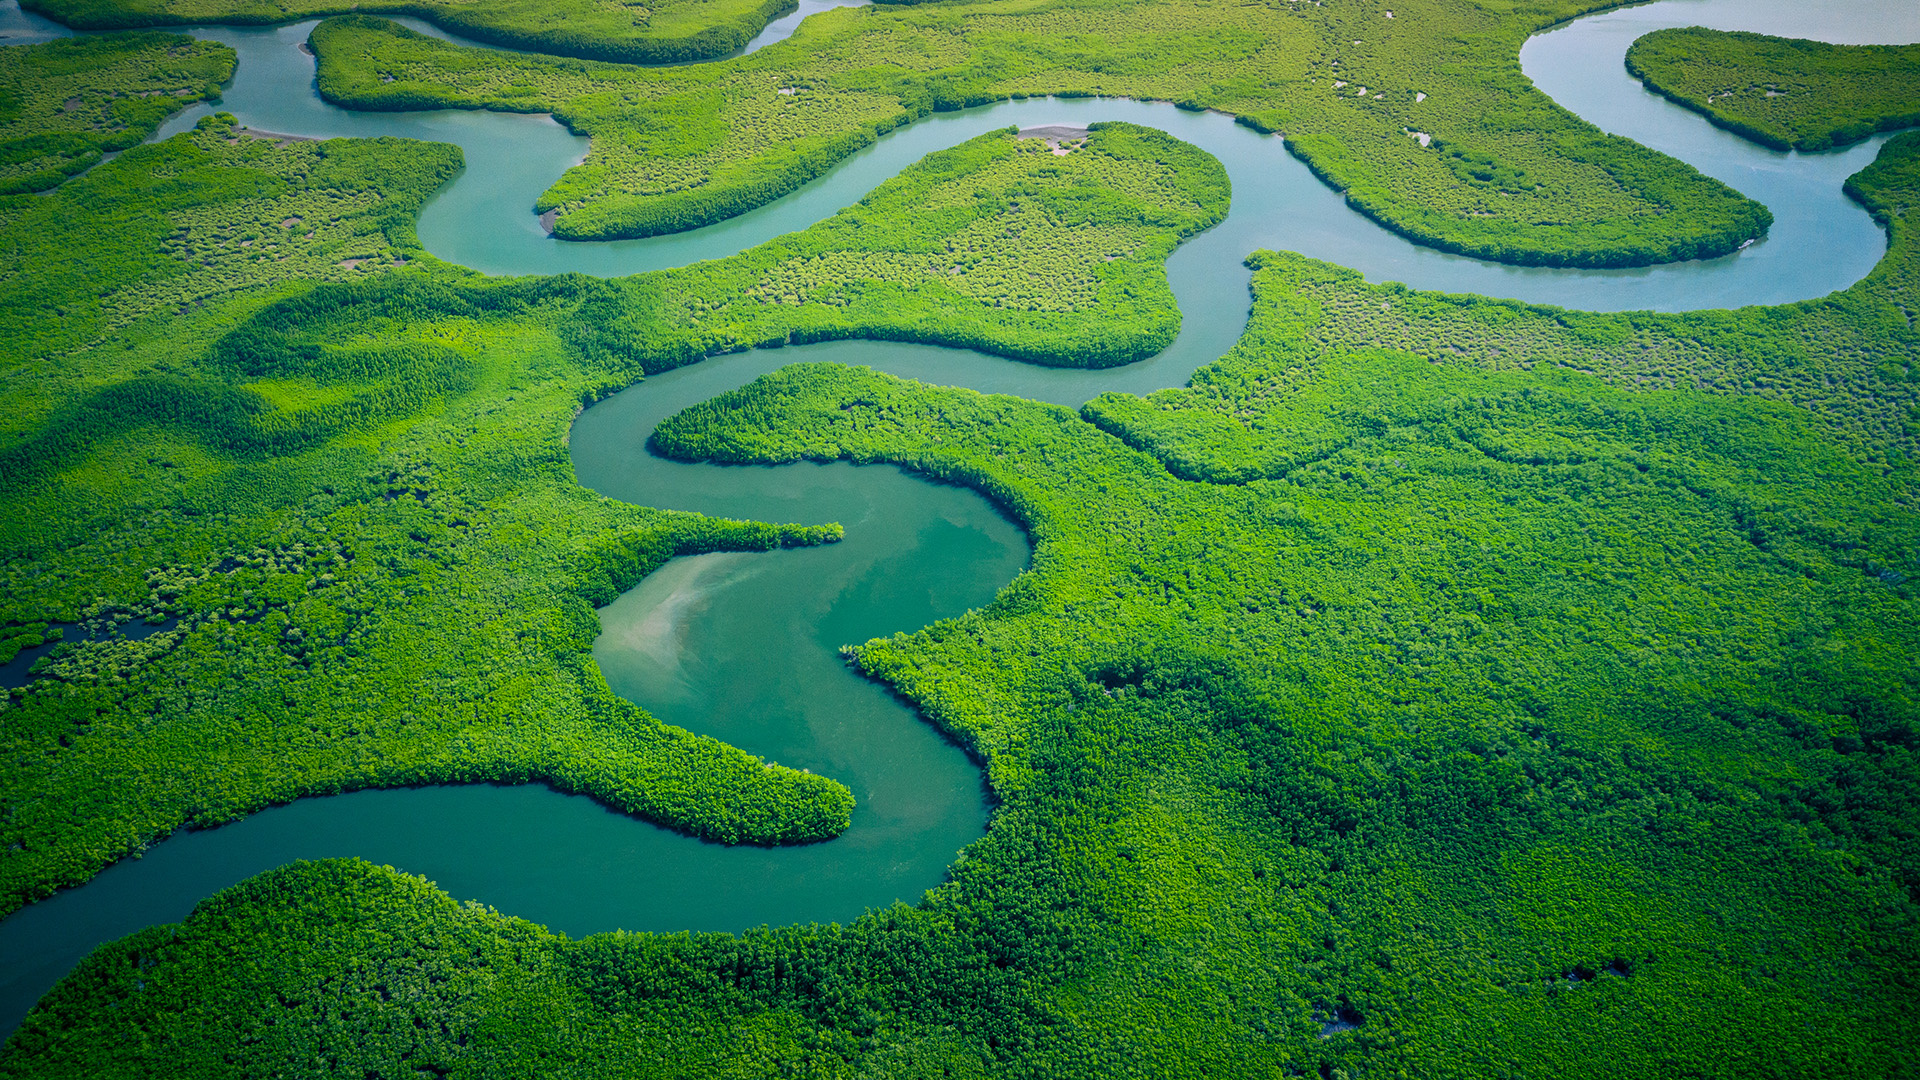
(66,104)
(627,31)
(1505,173)
(1433,685)
(1787,93)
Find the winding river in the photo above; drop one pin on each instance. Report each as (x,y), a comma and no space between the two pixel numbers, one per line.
(744,646)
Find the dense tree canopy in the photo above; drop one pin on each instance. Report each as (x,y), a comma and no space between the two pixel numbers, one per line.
(658,31)
(66,104)
(1784,92)
(301,557)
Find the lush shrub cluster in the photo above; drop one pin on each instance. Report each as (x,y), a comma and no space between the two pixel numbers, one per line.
(1783,92)
(261,437)
(352,440)
(199,218)
(1509,175)
(671,150)
(628,31)
(995,244)
(1847,358)
(64,104)
(339,653)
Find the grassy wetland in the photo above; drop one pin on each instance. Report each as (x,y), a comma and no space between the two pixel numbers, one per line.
(656,32)
(275,434)
(1503,174)
(1784,92)
(1433,686)
(66,104)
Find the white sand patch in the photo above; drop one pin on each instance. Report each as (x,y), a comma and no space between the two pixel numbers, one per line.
(272,136)
(1053,132)
(1061,140)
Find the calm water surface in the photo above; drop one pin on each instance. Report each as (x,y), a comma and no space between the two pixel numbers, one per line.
(743,646)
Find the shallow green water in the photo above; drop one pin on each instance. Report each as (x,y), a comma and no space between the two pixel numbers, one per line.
(743,646)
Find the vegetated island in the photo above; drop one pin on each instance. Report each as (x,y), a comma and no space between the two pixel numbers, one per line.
(1503,172)
(66,104)
(626,31)
(1015,246)
(1786,93)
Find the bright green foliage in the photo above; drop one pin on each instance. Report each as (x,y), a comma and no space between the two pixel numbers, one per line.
(1847,358)
(631,31)
(277,490)
(1785,93)
(1531,692)
(671,150)
(194,220)
(997,244)
(385,577)
(26,636)
(464,990)
(64,104)
(1508,176)
(1536,727)
(358,490)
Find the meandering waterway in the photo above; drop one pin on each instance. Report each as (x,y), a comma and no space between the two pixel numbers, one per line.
(743,646)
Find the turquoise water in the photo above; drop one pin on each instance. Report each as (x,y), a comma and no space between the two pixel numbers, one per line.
(1821,241)
(743,646)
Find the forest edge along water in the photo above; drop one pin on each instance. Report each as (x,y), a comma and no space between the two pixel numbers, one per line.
(743,646)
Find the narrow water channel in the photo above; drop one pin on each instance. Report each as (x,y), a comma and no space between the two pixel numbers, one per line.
(742,646)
